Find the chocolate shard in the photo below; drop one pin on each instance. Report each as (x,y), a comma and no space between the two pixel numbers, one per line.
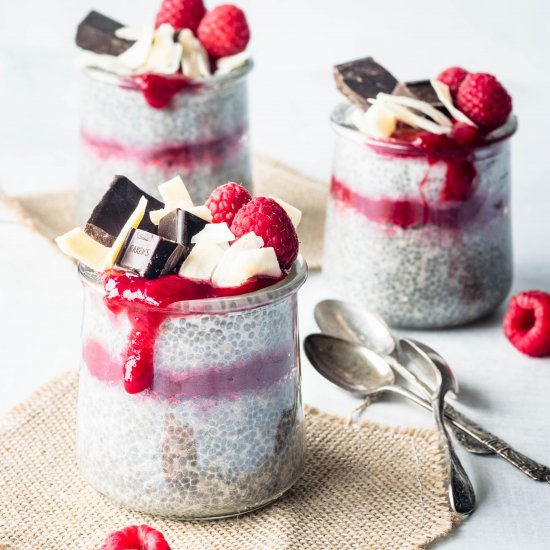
(149,255)
(114,209)
(180,226)
(419,89)
(362,79)
(96,33)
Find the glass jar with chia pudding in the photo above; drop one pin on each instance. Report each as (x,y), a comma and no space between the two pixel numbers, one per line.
(164,100)
(190,400)
(220,429)
(201,136)
(418,222)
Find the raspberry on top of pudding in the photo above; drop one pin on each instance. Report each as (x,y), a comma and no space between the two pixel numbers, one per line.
(185,47)
(153,254)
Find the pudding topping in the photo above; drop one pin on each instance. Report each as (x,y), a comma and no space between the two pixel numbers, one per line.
(443,119)
(152,254)
(187,46)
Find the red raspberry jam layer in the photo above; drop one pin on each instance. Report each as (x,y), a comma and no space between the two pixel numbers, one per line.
(168,156)
(261,371)
(457,204)
(123,291)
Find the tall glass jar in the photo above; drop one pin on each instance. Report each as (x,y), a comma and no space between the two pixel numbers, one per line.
(202,135)
(220,430)
(421,233)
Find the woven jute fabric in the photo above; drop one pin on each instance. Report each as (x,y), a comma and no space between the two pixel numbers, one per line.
(52,214)
(364,486)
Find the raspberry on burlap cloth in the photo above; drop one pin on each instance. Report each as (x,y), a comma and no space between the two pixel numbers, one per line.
(364,486)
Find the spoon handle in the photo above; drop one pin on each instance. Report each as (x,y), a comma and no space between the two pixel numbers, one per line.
(461,492)
(530,467)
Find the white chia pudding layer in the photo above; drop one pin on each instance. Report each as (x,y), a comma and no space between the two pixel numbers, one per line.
(204,440)
(427,275)
(202,136)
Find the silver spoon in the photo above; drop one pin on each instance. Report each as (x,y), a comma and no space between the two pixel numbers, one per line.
(351,322)
(461,491)
(356,324)
(362,371)
(492,443)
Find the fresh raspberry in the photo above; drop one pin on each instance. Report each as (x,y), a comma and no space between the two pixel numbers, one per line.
(267,219)
(159,90)
(135,537)
(226,200)
(453,76)
(527,323)
(181,14)
(484,100)
(224,31)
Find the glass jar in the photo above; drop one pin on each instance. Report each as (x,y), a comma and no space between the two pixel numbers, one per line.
(420,234)
(201,136)
(220,430)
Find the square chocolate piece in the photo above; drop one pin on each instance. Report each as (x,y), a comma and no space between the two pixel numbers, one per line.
(180,226)
(96,33)
(114,209)
(363,79)
(149,255)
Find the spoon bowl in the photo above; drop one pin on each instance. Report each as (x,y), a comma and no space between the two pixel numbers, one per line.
(350,366)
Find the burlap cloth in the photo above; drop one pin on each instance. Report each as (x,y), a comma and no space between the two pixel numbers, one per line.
(364,485)
(52,214)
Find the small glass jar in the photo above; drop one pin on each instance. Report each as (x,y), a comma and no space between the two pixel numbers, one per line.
(202,135)
(421,235)
(220,430)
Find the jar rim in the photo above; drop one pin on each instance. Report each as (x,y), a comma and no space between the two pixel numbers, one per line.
(339,119)
(224,304)
(213,81)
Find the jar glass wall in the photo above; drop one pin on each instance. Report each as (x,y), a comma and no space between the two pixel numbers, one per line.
(220,430)
(422,236)
(201,136)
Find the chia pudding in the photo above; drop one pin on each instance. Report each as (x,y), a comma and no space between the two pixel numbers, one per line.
(154,118)
(418,224)
(189,400)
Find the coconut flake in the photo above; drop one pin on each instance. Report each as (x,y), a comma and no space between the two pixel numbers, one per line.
(227,64)
(418,105)
(214,233)
(407,116)
(444,95)
(378,122)
(130,33)
(136,55)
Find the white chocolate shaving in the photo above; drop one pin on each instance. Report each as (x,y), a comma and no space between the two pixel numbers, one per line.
(202,261)
(247,264)
(164,55)
(378,122)
(214,233)
(194,59)
(79,245)
(136,55)
(444,94)
(227,64)
(294,213)
(416,121)
(174,192)
(418,105)
(130,33)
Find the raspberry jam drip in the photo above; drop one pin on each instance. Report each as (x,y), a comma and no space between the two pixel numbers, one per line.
(123,290)
(456,202)
(159,90)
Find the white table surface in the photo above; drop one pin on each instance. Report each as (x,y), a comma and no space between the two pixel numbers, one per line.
(40,298)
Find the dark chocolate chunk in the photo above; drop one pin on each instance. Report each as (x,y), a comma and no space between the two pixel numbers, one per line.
(419,89)
(96,33)
(180,226)
(114,209)
(362,79)
(149,255)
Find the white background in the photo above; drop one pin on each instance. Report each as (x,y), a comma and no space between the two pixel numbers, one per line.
(295,44)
